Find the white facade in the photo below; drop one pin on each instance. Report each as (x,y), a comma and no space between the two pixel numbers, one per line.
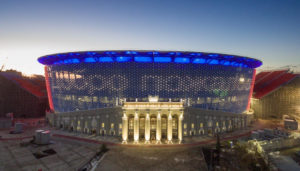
(150,122)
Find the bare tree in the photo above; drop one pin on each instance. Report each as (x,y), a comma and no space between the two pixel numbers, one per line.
(2,68)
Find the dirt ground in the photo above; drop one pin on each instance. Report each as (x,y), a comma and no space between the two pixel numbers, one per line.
(145,158)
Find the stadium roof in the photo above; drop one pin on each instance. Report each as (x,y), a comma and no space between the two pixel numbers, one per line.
(268,81)
(181,57)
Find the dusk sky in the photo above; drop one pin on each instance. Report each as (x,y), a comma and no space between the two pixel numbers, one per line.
(268,30)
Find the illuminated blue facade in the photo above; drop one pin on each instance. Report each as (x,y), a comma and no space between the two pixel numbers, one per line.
(90,80)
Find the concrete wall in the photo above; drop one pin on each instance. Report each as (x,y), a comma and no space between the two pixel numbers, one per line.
(89,120)
(213,121)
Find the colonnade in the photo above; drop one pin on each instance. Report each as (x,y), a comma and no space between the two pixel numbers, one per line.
(149,127)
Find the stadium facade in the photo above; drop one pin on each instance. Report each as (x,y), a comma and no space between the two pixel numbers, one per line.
(23,97)
(148,96)
(276,93)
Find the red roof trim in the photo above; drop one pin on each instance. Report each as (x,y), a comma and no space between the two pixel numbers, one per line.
(271,82)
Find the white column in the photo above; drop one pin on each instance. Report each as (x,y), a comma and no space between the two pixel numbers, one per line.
(158,128)
(124,128)
(170,128)
(136,127)
(180,127)
(147,128)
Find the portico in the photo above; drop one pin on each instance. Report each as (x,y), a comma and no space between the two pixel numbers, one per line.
(152,122)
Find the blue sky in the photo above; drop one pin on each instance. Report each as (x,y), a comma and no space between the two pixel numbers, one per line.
(268,30)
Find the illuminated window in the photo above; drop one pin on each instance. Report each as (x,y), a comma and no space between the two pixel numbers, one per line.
(120,126)
(163,123)
(174,124)
(153,123)
(131,123)
(102,124)
(209,124)
(192,125)
(142,123)
(184,126)
(78,125)
(217,124)
(112,125)
(242,79)
(66,75)
(78,76)
(201,125)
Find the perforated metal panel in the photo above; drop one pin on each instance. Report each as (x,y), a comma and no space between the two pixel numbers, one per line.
(83,86)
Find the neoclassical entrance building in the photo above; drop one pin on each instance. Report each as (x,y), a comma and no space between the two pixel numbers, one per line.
(152,121)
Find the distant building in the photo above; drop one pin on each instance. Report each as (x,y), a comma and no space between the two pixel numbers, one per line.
(276,93)
(23,96)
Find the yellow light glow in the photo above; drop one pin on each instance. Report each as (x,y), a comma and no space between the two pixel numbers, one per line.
(242,79)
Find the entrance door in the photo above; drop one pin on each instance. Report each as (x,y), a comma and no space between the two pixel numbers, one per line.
(153,128)
(164,127)
(175,127)
(142,128)
(130,127)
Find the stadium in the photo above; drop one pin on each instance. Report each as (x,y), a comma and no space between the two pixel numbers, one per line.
(149,96)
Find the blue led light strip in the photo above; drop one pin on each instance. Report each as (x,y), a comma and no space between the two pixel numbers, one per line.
(150,57)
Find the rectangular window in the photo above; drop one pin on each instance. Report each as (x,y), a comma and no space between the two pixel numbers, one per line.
(66,75)
(174,124)
(192,125)
(184,126)
(61,75)
(153,123)
(131,123)
(72,76)
(102,124)
(112,125)
(120,126)
(201,125)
